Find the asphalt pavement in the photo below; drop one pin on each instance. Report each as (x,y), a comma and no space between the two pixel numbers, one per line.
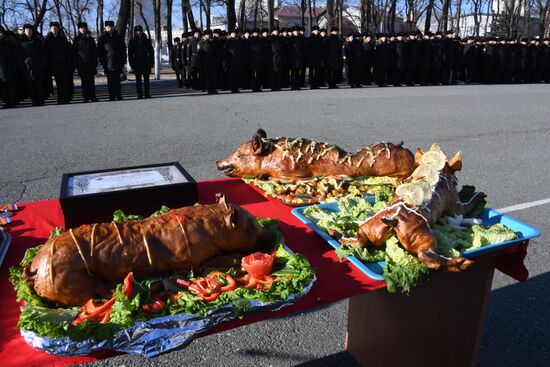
(503,132)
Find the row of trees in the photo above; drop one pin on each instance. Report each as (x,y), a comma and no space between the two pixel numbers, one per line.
(509,17)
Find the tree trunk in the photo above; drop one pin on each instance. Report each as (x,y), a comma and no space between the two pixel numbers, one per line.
(131,22)
(341,16)
(147,29)
(40,14)
(303,9)
(242,15)
(458,15)
(169,4)
(391,20)
(99,17)
(309,16)
(444,23)
(123,16)
(256,13)
(271,14)
(158,38)
(190,16)
(428,23)
(207,11)
(231,15)
(330,14)
(185,24)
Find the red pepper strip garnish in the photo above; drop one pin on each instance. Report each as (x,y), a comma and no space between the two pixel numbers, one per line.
(153,307)
(129,284)
(211,297)
(183,282)
(231,284)
(107,316)
(205,286)
(91,309)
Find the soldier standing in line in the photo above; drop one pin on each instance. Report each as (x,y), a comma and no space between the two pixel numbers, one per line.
(59,62)
(85,59)
(195,76)
(545,55)
(399,60)
(301,34)
(333,57)
(539,65)
(111,51)
(276,45)
(255,60)
(490,61)
(232,60)
(368,59)
(218,37)
(297,46)
(411,53)
(438,49)
(470,55)
(505,62)
(209,58)
(323,68)
(354,56)
(515,53)
(382,55)
(285,71)
(315,56)
(245,58)
(266,56)
(424,60)
(449,57)
(175,61)
(142,58)
(9,63)
(33,54)
(185,38)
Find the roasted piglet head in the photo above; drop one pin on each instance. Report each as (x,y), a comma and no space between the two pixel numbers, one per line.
(246,161)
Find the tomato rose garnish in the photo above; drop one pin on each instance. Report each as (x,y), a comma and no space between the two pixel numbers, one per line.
(258,264)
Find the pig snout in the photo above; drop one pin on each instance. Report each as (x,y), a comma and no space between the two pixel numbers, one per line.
(225,165)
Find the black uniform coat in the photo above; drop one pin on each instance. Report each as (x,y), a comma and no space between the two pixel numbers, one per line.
(33,55)
(111,51)
(232,56)
(175,57)
(297,48)
(354,54)
(277,46)
(315,51)
(255,54)
(9,60)
(141,54)
(333,60)
(208,53)
(58,54)
(85,54)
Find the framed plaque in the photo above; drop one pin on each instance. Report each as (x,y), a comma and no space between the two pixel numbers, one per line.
(93,196)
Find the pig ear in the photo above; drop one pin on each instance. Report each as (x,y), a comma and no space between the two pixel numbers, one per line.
(262,133)
(258,145)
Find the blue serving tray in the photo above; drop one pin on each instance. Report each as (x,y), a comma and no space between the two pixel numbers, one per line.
(374,269)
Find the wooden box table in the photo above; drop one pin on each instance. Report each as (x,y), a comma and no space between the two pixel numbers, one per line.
(440,323)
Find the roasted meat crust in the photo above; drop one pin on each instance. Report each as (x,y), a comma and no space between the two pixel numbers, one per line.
(300,158)
(412,225)
(86,262)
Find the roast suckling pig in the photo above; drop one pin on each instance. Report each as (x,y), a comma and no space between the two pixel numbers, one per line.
(86,262)
(412,223)
(301,158)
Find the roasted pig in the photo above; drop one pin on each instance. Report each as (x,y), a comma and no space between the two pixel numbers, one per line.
(412,223)
(86,262)
(300,158)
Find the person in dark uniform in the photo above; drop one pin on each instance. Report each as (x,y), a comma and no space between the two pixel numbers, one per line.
(209,58)
(255,60)
(142,58)
(449,59)
(490,61)
(411,53)
(175,61)
(245,82)
(505,62)
(333,58)
(425,60)
(539,67)
(111,51)
(545,56)
(323,68)
(219,38)
(470,55)
(232,60)
(195,76)
(33,55)
(59,62)
(438,48)
(382,55)
(285,71)
(266,56)
(533,50)
(185,38)
(368,59)
(314,57)
(354,56)
(9,63)
(276,43)
(85,60)
(515,53)
(297,46)
(301,34)
(399,60)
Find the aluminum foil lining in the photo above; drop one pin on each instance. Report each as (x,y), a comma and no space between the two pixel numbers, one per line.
(155,336)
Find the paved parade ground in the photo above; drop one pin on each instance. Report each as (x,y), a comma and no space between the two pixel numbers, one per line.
(503,132)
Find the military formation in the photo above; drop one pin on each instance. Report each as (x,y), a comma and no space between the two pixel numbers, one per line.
(258,59)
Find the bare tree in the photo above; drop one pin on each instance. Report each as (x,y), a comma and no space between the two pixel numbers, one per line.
(169,4)
(123,17)
(144,20)
(158,37)
(271,14)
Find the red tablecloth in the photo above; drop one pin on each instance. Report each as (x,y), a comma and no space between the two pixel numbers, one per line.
(335,280)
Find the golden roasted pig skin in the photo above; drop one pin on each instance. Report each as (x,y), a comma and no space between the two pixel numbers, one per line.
(412,225)
(86,262)
(300,158)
